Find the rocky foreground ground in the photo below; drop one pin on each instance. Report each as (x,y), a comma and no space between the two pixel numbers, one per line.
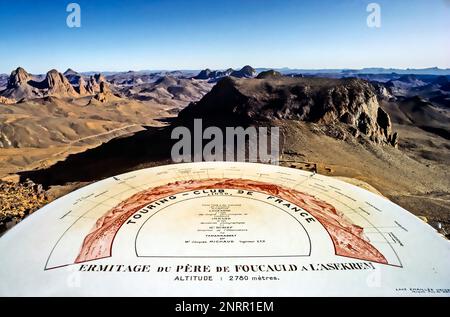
(18,200)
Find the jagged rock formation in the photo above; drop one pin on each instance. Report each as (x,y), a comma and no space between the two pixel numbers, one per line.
(21,85)
(351,102)
(82,86)
(24,86)
(245,72)
(104,94)
(383,92)
(92,86)
(58,85)
(94,83)
(17,78)
(99,78)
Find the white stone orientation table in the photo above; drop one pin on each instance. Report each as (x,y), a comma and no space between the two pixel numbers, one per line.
(223,229)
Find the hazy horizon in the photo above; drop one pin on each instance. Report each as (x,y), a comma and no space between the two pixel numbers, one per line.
(220,69)
(175,35)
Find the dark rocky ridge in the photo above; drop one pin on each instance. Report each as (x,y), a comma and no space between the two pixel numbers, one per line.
(212,74)
(72,76)
(245,72)
(269,74)
(352,103)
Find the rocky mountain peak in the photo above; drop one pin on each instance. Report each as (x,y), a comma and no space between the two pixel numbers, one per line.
(105,94)
(18,77)
(72,76)
(248,69)
(245,72)
(99,78)
(213,74)
(82,86)
(269,74)
(92,86)
(70,71)
(204,74)
(104,88)
(57,84)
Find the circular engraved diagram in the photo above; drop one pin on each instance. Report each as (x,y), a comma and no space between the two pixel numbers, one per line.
(278,231)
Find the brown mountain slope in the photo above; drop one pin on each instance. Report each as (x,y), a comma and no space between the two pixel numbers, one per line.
(38,132)
(169,90)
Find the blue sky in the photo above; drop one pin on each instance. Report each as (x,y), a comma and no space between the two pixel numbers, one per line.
(195,34)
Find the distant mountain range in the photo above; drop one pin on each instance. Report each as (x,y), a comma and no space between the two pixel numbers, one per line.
(283,70)
(173,87)
(369,70)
